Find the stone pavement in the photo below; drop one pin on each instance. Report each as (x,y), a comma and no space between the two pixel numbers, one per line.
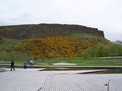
(34,80)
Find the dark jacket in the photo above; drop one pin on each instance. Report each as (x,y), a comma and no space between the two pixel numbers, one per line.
(12,64)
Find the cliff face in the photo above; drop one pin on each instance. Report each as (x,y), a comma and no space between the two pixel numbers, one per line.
(45,30)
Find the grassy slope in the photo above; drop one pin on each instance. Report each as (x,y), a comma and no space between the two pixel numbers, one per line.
(6,52)
(8,43)
(8,55)
(89,37)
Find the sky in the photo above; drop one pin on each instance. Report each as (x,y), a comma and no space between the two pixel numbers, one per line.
(106,15)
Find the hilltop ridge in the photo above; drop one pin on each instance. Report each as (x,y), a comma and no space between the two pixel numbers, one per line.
(45,30)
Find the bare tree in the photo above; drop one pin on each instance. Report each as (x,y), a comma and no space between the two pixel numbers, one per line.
(118,42)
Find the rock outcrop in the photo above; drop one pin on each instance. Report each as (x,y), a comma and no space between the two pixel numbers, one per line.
(45,30)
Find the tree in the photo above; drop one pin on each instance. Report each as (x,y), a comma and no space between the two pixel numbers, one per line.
(118,42)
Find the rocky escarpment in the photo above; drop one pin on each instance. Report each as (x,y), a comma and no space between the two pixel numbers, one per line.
(45,30)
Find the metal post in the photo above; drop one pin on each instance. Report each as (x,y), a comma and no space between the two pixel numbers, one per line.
(108,87)
(108,84)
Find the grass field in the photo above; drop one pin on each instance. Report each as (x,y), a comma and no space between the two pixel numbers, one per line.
(96,61)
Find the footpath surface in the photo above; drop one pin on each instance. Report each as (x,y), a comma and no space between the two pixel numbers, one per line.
(34,80)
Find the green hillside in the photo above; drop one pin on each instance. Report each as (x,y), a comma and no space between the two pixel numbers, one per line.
(54,40)
(7,51)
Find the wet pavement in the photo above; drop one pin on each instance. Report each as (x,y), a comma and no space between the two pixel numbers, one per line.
(35,80)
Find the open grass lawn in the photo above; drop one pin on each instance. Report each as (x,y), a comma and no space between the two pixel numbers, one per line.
(101,62)
(92,61)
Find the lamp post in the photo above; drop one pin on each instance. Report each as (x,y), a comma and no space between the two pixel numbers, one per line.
(107,84)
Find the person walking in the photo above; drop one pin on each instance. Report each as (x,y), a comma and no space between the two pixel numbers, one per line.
(31,63)
(12,65)
(25,65)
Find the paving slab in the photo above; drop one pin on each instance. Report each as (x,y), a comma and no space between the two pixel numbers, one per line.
(34,80)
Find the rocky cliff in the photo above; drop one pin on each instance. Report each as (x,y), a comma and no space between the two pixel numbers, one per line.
(45,30)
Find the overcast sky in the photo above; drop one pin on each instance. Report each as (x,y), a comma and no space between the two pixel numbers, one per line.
(106,15)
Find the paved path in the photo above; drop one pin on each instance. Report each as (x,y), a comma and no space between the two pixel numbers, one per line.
(34,80)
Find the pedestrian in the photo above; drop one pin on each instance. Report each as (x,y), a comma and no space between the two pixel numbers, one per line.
(12,65)
(31,63)
(25,65)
